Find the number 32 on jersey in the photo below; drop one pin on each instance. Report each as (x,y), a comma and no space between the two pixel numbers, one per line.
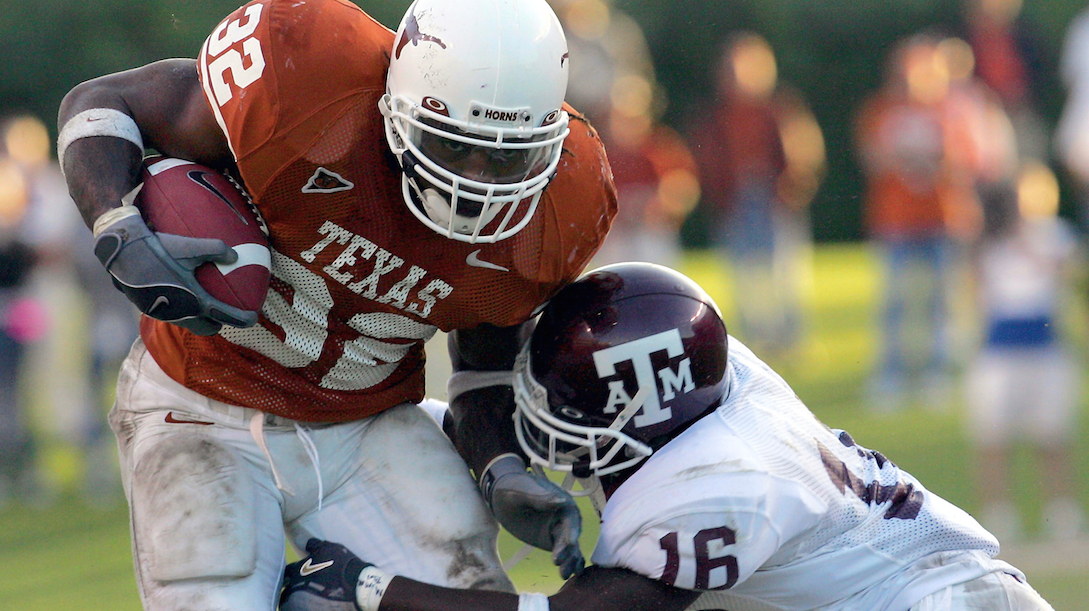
(228,64)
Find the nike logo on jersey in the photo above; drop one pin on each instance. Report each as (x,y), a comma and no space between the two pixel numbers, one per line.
(473,260)
(172,420)
(327,181)
(308,568)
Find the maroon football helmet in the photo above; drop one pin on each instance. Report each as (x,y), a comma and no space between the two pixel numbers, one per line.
(622,360)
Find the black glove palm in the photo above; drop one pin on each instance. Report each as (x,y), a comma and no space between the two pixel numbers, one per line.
(155,271)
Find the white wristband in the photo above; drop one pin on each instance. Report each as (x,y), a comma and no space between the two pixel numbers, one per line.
(111,216)
(98,122)
(532,602)
(371,588)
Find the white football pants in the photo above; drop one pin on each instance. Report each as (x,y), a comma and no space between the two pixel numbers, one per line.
(212,489)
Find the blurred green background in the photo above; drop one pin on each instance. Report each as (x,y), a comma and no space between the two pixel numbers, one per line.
(832,50)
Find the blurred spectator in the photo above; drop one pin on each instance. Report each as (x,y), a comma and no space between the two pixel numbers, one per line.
(920,198)
(1072,131)
(111,327)
(1023,384)
(85,326)
(1007,60)
(613,84)
(761,156)
(21,318)
(981,144)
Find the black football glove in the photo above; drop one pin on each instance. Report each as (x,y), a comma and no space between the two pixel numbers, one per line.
(324,581)
(535,510)
(155,271)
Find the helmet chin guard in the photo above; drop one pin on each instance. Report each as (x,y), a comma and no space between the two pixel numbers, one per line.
(476,75)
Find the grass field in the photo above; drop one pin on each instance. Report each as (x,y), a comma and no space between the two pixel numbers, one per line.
(71,557)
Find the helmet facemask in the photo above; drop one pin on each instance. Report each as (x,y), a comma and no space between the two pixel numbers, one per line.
(431,148)
(565,439)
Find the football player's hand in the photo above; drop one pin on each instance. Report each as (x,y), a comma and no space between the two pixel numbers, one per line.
(326,580)
(535,510)
(155,271)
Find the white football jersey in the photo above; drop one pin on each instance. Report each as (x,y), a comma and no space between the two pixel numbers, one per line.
(762,506)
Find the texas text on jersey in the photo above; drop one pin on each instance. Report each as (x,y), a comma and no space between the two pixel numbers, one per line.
(358,285)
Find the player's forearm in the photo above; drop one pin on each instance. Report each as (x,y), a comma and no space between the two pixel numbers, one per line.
(482,420)
(596,589)
(106,123)
(405,594)
(99,157)
(99,172)
(481,398)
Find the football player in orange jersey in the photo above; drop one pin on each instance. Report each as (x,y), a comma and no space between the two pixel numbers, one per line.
(402,177)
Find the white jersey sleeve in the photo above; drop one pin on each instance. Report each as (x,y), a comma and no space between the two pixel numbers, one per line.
(763,507)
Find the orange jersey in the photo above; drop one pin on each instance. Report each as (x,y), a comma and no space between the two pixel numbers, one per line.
(358,283)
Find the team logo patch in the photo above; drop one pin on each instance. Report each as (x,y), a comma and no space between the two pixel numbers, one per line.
(638,353)
(327,181)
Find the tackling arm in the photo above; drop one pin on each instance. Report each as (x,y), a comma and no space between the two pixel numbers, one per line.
(348,583)
(596,589)
(105,124)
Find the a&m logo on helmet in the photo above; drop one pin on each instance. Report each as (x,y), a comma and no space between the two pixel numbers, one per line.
(638,353)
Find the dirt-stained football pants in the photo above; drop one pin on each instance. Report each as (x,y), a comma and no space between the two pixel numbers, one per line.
(213,488)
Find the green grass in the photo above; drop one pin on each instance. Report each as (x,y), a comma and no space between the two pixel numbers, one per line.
(71,557)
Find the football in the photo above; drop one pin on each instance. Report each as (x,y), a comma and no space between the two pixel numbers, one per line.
(185,198)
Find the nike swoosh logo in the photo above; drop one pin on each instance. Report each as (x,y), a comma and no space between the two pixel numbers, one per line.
(93,119)
(474,261)
(199,177)
(160,300)
(309,569)
(172,420)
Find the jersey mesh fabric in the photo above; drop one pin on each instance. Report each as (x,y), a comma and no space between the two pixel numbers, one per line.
(358,283)
(846,540)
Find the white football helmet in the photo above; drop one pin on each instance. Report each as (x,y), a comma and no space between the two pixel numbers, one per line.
(473,112)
